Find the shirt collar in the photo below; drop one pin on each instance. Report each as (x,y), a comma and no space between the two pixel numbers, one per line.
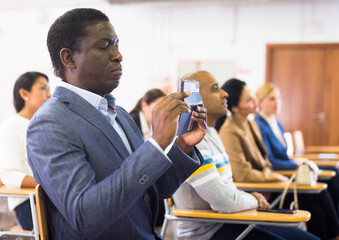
(271,120)
(94,99)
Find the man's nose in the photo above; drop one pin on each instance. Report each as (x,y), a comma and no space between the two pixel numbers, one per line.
(223,94)
(116,57)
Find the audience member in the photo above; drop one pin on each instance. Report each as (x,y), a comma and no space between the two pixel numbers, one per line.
(241,137)
(212,187)
(30,91)
(142,112)
(249,160)
(102,181)
(272,132)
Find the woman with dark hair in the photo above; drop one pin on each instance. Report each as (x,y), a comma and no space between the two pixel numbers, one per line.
(249,159)
(242,137)
(31,90)
(142,112)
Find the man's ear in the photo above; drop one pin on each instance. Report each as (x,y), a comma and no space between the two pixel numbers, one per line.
(66,56)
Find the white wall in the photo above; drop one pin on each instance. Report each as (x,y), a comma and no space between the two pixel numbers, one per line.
(156,37)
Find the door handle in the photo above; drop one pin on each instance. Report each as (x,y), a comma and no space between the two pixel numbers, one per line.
(320,117)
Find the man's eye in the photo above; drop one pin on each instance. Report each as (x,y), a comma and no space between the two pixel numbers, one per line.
(104,45)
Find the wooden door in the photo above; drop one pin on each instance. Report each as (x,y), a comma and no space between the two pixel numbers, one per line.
(308,78)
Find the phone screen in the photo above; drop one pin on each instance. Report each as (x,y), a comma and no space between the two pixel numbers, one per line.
(277,210)
(186,124)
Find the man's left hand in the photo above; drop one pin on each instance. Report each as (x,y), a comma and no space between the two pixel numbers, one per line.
(188,140)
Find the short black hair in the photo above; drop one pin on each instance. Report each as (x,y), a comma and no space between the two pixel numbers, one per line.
(66,31)
(25,81)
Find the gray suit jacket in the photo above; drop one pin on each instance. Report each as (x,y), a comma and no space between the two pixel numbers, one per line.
(95,188)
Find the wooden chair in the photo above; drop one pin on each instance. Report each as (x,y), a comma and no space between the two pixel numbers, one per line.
(322,149)
(323,175)
(41,212)
(249,217)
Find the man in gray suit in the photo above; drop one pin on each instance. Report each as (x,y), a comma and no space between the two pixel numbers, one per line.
(101,179)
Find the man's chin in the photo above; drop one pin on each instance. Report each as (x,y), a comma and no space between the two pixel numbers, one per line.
(111,88)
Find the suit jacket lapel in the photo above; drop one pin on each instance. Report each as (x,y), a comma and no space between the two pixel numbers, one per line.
(258,140)
(246,138)
(272,135)
(84,109)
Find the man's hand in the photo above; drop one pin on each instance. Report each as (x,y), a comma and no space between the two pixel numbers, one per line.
(188,140)
(262,202)
(165,117)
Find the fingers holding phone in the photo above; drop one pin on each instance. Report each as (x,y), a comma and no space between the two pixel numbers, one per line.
(165,117)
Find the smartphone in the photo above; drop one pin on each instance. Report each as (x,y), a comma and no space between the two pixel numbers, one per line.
(186,124)
(277,210)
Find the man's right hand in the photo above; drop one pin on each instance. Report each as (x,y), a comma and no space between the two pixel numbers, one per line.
(165,117)
(262,202)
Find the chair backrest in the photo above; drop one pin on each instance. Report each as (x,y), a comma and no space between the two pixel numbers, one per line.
(299,142)
(41,212)
(289,144)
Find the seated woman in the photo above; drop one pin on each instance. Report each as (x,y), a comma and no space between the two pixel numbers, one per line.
(212,187)
(31,90)
(272,132)
(249,160)
(142,112)
(142,115)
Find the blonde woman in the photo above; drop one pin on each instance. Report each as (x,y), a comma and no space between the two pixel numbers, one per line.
(269,101)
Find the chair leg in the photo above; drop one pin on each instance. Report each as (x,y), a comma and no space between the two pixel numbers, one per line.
(174,230)
(34,216)
(245,232)
(164,228)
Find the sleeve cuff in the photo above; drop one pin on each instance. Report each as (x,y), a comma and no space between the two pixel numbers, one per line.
(157,146)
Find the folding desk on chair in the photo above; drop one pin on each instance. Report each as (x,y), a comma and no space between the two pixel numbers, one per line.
(322,149)
(28,193)
(324,175)
(249,217)
(319,156)
(326,163)
(279,187)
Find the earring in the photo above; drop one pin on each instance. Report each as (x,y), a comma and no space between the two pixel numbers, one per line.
(26,99)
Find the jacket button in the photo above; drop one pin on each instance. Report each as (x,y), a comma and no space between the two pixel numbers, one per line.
(141,181)
(146,198)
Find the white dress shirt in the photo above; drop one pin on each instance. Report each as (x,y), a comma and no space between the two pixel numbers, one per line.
(102,104)
(273,122)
